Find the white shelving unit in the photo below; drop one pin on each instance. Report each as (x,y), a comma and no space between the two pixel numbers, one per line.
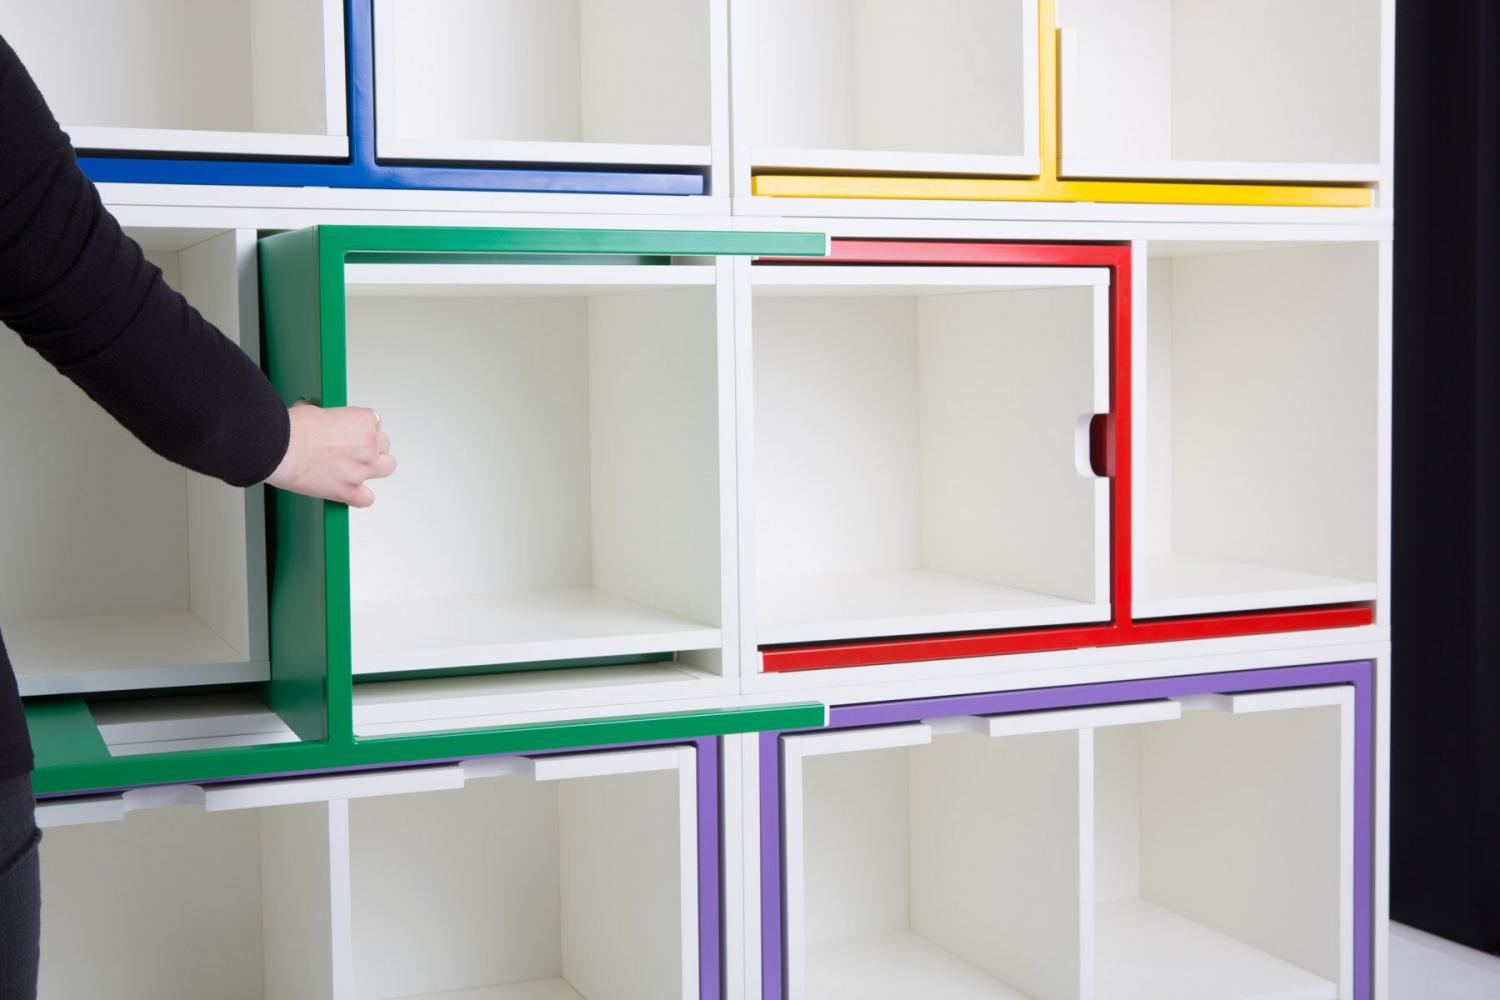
(1157,850)
(917,439)
(561,495)
(1258,432)
(1279,91)
(246,77)
(551,81)
(882,85)
(563,878)
(121,570)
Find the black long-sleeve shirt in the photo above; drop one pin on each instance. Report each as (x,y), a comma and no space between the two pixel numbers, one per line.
(82,294)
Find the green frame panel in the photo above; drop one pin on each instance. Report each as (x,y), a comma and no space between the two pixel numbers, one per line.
(311,687)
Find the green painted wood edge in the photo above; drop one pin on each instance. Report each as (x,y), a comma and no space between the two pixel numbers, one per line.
(291,317)
(63,732)
(80,775)
(342,240)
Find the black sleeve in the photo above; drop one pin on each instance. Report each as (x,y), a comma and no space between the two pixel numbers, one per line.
(82,294)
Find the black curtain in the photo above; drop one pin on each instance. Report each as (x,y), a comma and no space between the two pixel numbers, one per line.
(1446,557)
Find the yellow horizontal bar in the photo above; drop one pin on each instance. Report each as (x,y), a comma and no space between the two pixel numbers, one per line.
(1110,192)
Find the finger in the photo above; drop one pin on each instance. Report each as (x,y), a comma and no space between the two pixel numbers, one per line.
(361,496)
(383,466)
(382,443)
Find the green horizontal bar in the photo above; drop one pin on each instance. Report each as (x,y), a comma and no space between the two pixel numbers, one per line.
(63,732)
(77,774)
(343,240)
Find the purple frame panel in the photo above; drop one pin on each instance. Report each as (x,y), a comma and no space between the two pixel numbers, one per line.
(1359,674)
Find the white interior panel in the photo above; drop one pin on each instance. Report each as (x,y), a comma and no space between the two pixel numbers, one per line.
(212,76)
(122,570)
(179,904)
(1224,865)
(884,83)
(1261,429)
(1280,90)
(516,78)
(917,457)
(510,889)
(947,870)
(559,488)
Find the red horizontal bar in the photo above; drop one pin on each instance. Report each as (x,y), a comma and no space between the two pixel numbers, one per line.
(782,659)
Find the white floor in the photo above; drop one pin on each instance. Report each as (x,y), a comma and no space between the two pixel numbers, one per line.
(1424,967)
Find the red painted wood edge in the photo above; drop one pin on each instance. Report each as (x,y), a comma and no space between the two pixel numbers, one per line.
(1121,629)
(785,659)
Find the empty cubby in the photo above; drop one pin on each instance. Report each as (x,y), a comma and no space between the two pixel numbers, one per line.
(1223,851)
(559,498)
(260,77)
(174,902)
(571,878)
(936,87)
(1277,90)
(121,570)
(921,449)
(1258,461)
(550,81)
(939,865)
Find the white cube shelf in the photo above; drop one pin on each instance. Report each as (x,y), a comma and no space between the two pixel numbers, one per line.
(573,879)
(1275,90)
(560,498)
(1258,430)
(1157,850)
(147,900)
(256,77)
(1223,851)
(921,449)
(122,570)
(946,86)
(549,81)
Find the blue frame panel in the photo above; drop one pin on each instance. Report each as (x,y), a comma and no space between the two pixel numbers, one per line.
(362,170)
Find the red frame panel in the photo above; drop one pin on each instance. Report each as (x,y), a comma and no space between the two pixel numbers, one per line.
(1121,629)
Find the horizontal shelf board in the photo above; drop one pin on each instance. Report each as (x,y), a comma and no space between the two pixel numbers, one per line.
(1221,170)
(554,153)
(896,966)
(877,161)
(496,629)
(537,989)
(122,653)
(184,717)
(388,707)
(1148,953)
(834,279)
(189,141)
(903,602)
(498,279)
(203,743)
(1173,584)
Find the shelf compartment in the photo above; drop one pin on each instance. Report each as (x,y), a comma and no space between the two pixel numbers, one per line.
(1250,348)
(123,571)
(1224,847)
(925,864)
(573,877)
(885,86)
(547,81)
(564,502)
(150,897)
(1174,91)
(225,78)
(921,456)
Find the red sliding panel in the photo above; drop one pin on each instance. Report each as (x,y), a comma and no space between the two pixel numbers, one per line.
(1121,629)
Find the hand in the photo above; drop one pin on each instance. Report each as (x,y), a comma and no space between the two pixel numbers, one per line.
(332,452)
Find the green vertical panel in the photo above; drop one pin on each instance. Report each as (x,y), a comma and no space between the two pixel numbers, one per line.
(299,654)
(334,388)
(63,732)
